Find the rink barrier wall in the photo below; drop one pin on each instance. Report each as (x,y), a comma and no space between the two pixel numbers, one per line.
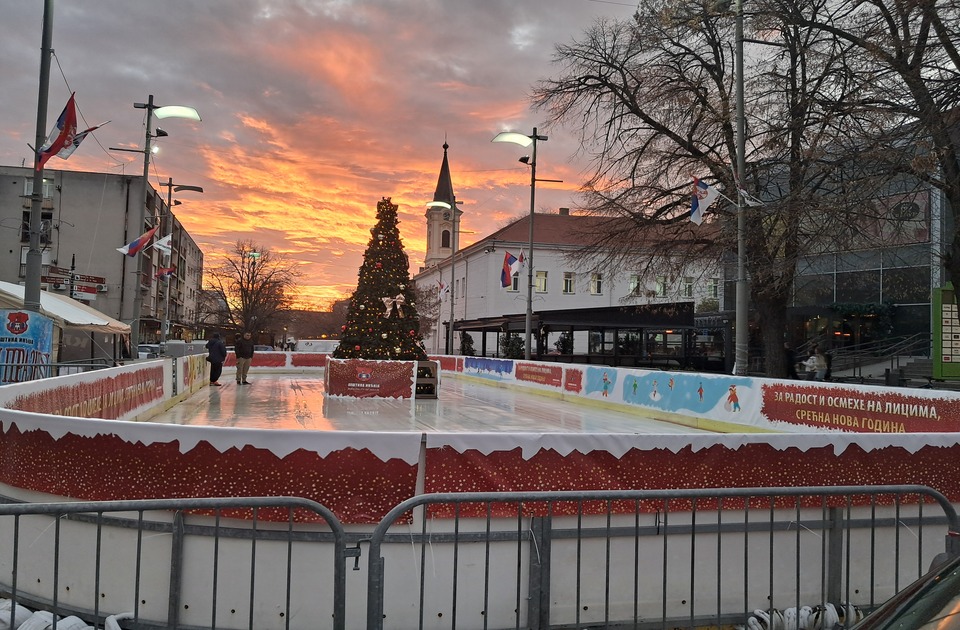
(84,457)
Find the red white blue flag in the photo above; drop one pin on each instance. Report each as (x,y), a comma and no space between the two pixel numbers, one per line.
(133,248)
(61,135)
(511,265)
(68,150)
(703,197)
(165,272)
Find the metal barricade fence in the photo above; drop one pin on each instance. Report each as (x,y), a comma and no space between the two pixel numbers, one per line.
(615,559)
(177,563)
(651,559)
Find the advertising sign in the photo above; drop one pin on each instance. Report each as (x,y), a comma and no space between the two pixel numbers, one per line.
(25,343)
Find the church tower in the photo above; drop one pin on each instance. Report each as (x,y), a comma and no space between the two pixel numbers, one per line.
(443,218)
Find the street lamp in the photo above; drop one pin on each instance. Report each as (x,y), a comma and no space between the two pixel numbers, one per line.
(531,161)
(171,188)
(166,111)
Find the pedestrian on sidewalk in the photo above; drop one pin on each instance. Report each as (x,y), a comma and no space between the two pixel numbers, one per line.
(244,351)
(216,355)
(790,361)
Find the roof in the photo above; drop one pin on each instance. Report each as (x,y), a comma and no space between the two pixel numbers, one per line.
(65,311)
(580,230)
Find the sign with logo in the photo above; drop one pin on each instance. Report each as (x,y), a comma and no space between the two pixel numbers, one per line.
(25,342)
(85,293)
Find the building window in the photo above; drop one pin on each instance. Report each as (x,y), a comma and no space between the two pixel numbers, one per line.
(713,287)
(661,286)
(596,284)
(634,284)
(541,282)
(687,286)
(569,284)
(456,287)
(514,283)
(445,238)
(47,188)
(46,222)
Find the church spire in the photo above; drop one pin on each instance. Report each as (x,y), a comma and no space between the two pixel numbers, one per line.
(442,215)
(445,182)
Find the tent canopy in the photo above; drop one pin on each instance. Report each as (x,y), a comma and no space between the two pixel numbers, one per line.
(67,312)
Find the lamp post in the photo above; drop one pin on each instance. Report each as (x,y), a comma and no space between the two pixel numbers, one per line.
(167,111)
(31,285)
(171,188)
(741,351)
(525,141)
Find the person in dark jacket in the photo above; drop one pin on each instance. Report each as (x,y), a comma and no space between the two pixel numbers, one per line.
(790,361)
(216,355)
(243,348)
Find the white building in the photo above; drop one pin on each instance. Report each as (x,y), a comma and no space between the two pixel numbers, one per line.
(85,218)
(647,315)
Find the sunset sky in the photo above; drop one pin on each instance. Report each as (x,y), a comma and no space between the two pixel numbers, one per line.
(312,111)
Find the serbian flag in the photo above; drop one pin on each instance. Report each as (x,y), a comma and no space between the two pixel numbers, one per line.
(68,150)
(511,265)
(61,135)
(133,248)
(165,272)
(443,289)
(703,197)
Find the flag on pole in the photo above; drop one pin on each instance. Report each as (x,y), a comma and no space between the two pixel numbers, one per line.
(164,244)
(61,135)
(443,289)
(133,248)
(70,147)
(165,272)
(511,265)
(703,197)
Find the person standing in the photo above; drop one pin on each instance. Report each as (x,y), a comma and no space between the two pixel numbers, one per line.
(790,361)
(216,355)
(244,352)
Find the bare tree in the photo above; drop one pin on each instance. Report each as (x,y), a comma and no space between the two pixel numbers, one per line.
(906,75)
(251,286)
(654,98)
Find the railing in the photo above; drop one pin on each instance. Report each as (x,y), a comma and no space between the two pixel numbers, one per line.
(893,350)
(653,559)
(177,563)
(645,559)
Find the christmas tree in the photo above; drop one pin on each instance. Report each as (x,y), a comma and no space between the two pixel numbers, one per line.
(382,322)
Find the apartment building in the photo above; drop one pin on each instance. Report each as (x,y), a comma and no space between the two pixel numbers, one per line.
(85,218)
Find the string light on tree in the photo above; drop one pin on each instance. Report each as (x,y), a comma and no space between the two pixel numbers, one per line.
(382,322)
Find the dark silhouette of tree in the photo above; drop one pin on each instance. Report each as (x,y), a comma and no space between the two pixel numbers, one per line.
(383,322)
(250,287)
(654,98)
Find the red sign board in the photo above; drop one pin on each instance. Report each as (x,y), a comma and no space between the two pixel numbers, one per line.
(357,378)
(94,279)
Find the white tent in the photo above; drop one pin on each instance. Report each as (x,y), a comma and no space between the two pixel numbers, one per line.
(64,311)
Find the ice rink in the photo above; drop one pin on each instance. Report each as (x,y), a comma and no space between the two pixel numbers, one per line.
(297,401)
